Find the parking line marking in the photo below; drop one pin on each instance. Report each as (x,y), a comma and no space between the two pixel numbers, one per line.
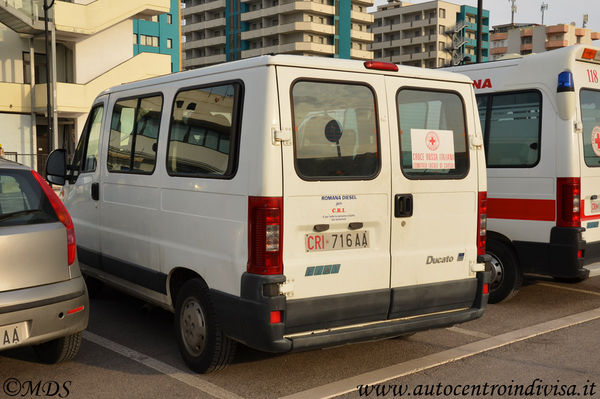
(193,380)
(562,287)
(594,269)
(472,333)
(348,385)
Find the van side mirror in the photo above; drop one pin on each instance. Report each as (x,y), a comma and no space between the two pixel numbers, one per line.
(56,167)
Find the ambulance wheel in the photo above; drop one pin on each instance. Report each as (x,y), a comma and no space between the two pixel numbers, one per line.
(202,343)
(506,278)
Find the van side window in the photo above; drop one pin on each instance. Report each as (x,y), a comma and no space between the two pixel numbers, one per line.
(433,136)
(336,135)
(85,158)
(133,135)
(590,116)
(204,130)
(512,128)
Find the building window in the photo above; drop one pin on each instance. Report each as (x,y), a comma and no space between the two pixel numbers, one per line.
(169,43)
(442,29)
(442,13)
(135,38)
(441,46)
(154,18)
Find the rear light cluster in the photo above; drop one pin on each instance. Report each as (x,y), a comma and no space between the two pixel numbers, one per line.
(481,222)
(381,66)
(568,192)
(62,214)
(265,229)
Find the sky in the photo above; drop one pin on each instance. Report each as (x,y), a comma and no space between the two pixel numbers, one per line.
(528,11)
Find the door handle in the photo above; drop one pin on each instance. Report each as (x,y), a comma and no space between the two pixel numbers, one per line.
(403,205)
(95,191)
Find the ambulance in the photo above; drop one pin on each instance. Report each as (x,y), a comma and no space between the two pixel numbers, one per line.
(285,202)
(540,115)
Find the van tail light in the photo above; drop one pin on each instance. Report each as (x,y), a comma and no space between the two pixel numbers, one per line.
(62,214)
(265,229)
(568,192)
(481,222)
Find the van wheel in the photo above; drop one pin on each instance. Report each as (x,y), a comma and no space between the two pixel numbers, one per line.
(506,276)
(203,345)
(59,349)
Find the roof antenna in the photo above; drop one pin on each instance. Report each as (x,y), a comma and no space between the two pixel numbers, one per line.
(513,10)
(543,8)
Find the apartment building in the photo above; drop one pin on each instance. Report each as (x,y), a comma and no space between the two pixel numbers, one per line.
(225,30)
(161,34)
(93,50)
(432,34)
(533,38)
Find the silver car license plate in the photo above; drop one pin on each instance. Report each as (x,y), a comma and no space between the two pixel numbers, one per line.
(13,334)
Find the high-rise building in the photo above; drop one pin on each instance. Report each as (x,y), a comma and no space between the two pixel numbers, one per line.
(161,34)
(226,30)
(431,34)
(91,50)
(533,38)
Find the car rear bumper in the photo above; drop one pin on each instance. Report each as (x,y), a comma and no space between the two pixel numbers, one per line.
(49,311)
(247,318)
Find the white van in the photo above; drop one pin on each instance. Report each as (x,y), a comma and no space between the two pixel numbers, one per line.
(541,118)
(285,202)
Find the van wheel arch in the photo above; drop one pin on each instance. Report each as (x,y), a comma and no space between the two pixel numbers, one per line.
(507,275)
(177,278)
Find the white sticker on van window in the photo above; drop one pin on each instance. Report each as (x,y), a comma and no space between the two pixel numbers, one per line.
(432,149)
(596,140)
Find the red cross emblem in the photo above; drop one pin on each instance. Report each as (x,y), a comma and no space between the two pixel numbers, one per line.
(596,140)
(432,141)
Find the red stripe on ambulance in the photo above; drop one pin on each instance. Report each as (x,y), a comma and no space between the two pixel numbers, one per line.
(522,209)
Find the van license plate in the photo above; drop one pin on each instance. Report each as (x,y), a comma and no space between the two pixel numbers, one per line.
(335,241)
(13,334)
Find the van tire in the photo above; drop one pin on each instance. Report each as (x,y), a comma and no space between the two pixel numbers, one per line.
(202,343)
(506,275)
(59,349)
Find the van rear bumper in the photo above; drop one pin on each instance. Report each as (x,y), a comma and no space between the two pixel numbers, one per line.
(559,257)
(247,318)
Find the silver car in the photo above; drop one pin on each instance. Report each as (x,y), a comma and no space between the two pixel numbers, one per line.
(43,298)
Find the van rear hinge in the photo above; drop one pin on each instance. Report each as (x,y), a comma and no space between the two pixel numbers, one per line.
(283,136)
(578,127)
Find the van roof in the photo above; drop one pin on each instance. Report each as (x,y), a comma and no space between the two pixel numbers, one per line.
(554,60)
(294,61)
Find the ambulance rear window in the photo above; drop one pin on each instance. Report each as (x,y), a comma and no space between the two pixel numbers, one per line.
(590,115)
(433,139)
(335,131)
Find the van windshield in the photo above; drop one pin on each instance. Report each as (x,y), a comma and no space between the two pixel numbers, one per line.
(590,115)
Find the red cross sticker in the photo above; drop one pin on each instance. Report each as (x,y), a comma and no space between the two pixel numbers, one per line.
(432,141)
(596,140)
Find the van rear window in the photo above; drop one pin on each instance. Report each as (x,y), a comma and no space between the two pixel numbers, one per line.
(433,139)
(590,115)
(204,131)
(335,131)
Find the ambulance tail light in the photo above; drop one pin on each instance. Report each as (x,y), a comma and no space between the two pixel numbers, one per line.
(265,229)
(568,191)
(481,222)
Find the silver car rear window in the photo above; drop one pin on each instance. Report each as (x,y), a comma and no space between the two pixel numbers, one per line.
(22,200)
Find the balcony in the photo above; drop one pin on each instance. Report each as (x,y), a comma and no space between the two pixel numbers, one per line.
(290,8)
(580,32)
(499,36)
(363,17)
(595,35)
(213,23)
(361,36)
(210,6)
(204,61)
(562,28)
(499,50)
(526,46)
(357,54)
(77,98)
(213,41)
(292,48)
(22,16)
(553,44)
(287,28)
(526,32)
(78,19)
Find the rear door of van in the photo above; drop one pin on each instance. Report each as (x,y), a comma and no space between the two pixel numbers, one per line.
(336,237)
(435,196)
